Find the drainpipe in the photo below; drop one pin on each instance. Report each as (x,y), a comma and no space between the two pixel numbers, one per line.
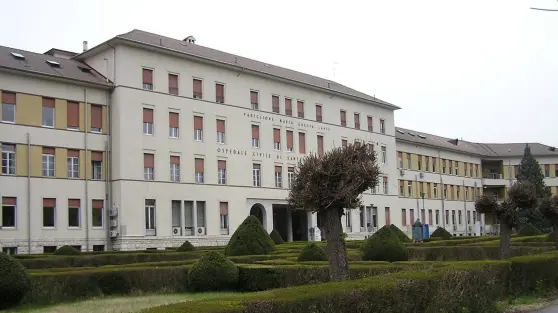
(86,177)
(465,209)
(28,193)
(108,183)
(442,186)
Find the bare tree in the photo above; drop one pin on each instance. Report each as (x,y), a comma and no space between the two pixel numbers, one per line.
(520,199)
(327,185)
(549,208)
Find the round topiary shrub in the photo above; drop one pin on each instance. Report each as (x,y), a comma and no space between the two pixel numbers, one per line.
(441,232)
(14,281)
(213,272)
(276,237)
(67,250)
(529,230)
(312,253)
(185,247)
(114,283)
(250,238)
(384,245)
(400,234)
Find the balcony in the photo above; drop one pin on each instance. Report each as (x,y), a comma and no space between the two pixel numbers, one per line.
(493,173)
(494,179)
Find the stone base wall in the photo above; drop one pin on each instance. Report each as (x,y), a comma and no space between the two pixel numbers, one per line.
(37,246)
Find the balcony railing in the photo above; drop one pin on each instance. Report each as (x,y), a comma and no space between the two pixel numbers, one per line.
(494,176)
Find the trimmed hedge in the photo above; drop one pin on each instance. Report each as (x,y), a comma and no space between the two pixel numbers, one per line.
(441,232)
(468,253)
(384,245)
(312,253)
(67,250)
(213,272)
(529,230)
(14,281)
(250,238)
(186,247)
(276,237)
(400,234)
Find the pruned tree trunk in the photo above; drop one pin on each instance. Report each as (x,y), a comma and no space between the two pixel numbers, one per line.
(505,231)
(338,264)
(555,228)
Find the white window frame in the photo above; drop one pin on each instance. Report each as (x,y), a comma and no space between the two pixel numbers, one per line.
(97,170)
(410,189)
(150,215)
(256,177)
(175,172)
(224,222)
(148,128)
(198,134)
(385,186)
(49,165)
(79,217)
(384,154)
(290,177)
(53,110)
(222,176)
(276,146)
(73,167)
(278,179)
(255,143)
(9,158)
(221,137)
(382,126)
(102,217)
(199,177)
(14,207)
(174,132)
(4,115)
(148,173)
(435,191)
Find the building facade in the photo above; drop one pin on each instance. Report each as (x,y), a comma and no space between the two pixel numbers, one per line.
(145,141)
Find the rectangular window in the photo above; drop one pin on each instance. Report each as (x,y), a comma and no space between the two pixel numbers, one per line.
(174,125)
(468,217)
(385,185)
(275,104)
(49,249)
(434,165)
(457,168)
(255,136)
(290,174)
(147,79)
(300,108)
(254,104)
(437,217)
(48,112)
(175,168)
(8,216)
(148,166)
(357,120)
(429,217)
(428,191)
(445,192)
(288,107)
(49,212)
(222,172)
(173,84)
(256,175)
(409,163)
(219,93)
(9,250)
(320,139)
(547,170)
(8,107)
(382,126)
(302,143)
(318,113)
(453,217)
(344,143)
(224,215)
(74,218)
(48,162)
(388,217)
(402,188)
(419,157)
(150,229)
(198,128)
(290,141)
(555,170)
(400,159)
(72,115)
(450,167)
(276,139)
(278,176)
(221,131)
(197,88)
(410,189)
(343,118)
(98,248)
(199,167)
(348,224)
(97,165)
(403,217)
(147,121)
(443,166)
(427,163)
(412,216)
(200,214)
(458,192)
(97,118)
(384,154)
(73,163)
(370,124)
(8,159)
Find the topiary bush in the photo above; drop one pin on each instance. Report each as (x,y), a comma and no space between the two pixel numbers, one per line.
(213,272)
(185,247)
(114,283)
(312,253)
(250,238)
(67,250)
(441,232)
(384,245)
(14,281)
(276,237)
(528,230)
(400,234)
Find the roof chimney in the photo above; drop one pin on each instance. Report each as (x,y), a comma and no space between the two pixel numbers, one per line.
(190,39)
(84,45)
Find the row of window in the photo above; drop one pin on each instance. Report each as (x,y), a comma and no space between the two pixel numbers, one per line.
(254,97)
(9,111)
(435,219)
(50,213)
(414,189)
(49,162)
(51,249)
(430,164)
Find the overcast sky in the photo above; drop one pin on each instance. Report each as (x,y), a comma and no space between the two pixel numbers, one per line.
(481,70)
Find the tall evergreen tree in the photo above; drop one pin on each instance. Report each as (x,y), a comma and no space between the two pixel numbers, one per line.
(530,171)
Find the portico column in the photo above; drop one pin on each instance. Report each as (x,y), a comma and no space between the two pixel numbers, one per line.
(289,226)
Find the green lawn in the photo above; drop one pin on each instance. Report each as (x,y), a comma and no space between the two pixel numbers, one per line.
(120,304)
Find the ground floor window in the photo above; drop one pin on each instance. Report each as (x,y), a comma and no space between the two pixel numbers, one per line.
(49,249)
(150,217)
(9,250)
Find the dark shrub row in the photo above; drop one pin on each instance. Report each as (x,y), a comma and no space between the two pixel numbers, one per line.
(459,287)
(468,253)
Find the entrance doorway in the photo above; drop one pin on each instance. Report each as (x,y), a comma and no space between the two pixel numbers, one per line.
(294,228)
(258,211)
(300,225)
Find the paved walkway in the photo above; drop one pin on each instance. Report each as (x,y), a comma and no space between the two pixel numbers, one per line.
(552,308)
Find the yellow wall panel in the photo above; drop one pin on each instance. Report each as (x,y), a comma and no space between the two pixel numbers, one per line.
(554,190)
(405,162)
(542,169)
(88,169)
(406,185)
(61,161)
(461,168)
(553,170)
(82,164)
(61,114)
(21,161)
(414,162)
(36,161)
(105,120)
(29,110)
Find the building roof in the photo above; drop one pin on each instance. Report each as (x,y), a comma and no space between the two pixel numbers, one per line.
(198,51)
(63,53)
(36,63)
(475,148)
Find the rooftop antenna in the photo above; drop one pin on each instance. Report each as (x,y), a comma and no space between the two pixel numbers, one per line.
(335,63)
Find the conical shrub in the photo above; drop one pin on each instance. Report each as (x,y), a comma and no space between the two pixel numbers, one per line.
(400,234)
(250,238)
(213,272)
(14,281)
(441,232)
(384,245)
(529,230)
(312,253)
(67,250)
(185,247)
(276,237)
